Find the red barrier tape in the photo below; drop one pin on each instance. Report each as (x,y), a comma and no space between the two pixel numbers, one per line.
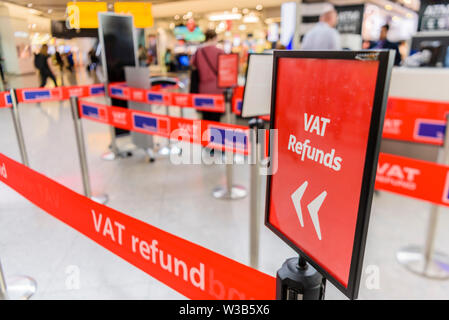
(414,178)
(201,102)
(194,271)
(206,133)
(416,120)
(32,95)
(5,100)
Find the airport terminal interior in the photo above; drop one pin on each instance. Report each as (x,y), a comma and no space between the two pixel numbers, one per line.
(145,183)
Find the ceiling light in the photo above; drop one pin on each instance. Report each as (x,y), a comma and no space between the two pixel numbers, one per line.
(242,27)
(259,7)
(29,5)
(223,16)
(177,17)
(235,10)
(388,7)
(250,18)
(50,10)
(245,11)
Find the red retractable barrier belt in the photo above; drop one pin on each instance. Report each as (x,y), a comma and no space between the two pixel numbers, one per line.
(414,178)
(207,133)
(5,100)
(31,95)
(157,96)
(415,120)
(192,270)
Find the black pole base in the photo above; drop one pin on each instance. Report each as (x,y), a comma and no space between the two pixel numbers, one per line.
(298,280)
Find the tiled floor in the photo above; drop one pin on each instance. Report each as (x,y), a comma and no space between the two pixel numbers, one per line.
(176,198)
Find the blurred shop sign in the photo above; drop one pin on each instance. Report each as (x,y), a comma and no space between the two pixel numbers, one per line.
(350,19)
(434,15)
(84,14)
(59,30)
(141,11)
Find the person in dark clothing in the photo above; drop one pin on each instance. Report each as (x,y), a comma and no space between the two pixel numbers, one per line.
(205,61)
(41,63)
(2,75)
(383,43)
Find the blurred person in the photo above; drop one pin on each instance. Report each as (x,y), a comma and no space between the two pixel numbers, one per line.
(323,36)
(143,56)
(93,60)
(383,43)
(168,60)
(41,64)
(205,61)
(2,75)
(70,62)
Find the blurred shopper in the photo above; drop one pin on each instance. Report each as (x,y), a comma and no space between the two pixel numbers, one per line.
(323,36)
(383,43)
(205,61)
(93,60)
(169,61)
(2,75)
(70,62)
(143,56)
(41,64)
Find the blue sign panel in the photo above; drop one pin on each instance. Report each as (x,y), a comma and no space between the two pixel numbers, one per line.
(145,123)
(155,97)
(90,111)
(239,105)
(117,92)
(8,99)
(203,102)
(229,137)
(431,130)
(36,95)
(96,90)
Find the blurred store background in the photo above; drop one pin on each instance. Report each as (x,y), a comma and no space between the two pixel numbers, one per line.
(243,26)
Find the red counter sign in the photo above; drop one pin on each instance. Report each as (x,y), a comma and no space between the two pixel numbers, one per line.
(228,70)
(328,109)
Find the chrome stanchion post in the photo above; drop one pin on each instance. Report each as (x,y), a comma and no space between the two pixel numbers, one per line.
(254,219)
(165,150)
(16,288)
(18,127)
(82,153)
(426,261)
(114,150)
(230,191)
(3,289)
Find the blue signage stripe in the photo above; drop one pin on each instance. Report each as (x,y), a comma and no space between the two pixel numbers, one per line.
(155,97)
(96,90)
(239,105)
(204,102)
(117,91)
(90,111)
(34,95)
(228,137)
(145,123)
(431,130)
(8,99)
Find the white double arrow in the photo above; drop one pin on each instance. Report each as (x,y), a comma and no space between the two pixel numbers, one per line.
(313,206)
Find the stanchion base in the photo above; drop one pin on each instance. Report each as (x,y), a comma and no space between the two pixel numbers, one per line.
(101,198)
(236,192)
(109,156)
(164,151)
(20,287)
(413,259)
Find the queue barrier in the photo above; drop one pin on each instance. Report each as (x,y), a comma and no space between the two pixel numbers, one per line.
(217,135)
(190,269)
(5,100)
(157,96)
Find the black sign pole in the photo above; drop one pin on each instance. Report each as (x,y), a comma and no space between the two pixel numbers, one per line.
(298,280)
